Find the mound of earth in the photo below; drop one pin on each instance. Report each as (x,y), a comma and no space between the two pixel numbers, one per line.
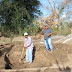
(10,54)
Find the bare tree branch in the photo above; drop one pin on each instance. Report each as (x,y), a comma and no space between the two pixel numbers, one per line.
(50,5)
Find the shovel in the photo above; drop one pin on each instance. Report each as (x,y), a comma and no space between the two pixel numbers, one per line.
(21,55)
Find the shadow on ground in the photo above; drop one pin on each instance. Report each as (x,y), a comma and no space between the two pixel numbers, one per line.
(67,69)
(5,51)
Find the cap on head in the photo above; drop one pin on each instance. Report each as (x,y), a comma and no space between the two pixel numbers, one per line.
(46,24)
(25,33)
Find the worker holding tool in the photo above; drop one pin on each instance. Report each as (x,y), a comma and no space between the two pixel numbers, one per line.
(47,38)
(28,44)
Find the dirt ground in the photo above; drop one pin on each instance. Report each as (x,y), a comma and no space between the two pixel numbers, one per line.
(10,54)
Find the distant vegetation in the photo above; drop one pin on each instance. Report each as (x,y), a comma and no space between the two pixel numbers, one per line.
(62,29)
(18,15)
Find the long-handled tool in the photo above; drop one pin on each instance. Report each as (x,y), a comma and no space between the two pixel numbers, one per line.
(21,55)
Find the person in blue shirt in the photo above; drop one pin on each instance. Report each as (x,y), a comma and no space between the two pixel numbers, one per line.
(47,32)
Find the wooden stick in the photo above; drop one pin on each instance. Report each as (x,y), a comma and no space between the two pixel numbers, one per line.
(21,55)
